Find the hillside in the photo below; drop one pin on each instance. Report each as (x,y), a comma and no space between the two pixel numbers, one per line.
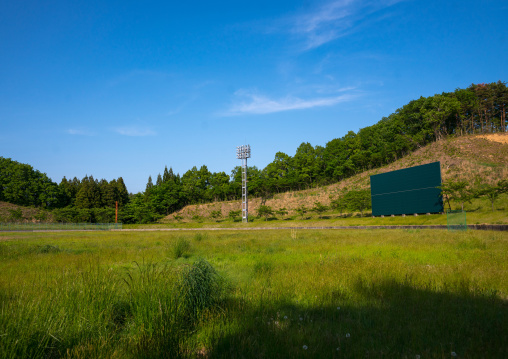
(462,158)
(13,213)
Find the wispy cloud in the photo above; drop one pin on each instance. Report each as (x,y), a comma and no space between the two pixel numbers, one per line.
(253,103)
(80,132)
(134,131)
(333,20)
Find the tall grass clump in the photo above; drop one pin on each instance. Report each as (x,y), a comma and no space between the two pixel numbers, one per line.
(181,248)
(200,236)
(200,287)
(165,304)
(150,313)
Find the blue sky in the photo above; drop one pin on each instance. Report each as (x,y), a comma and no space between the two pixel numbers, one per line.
(123,88)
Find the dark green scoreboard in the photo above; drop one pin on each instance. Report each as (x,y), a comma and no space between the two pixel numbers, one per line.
(407,191)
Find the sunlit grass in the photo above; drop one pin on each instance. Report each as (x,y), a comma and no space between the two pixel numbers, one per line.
(254,294)
(479,211)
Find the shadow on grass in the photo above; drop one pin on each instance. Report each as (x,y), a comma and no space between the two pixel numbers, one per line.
(395,320)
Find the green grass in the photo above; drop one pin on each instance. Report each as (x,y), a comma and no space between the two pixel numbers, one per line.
(347,293)
(479,211)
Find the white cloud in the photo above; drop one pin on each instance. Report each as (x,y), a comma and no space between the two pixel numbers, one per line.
(259,104)
(333,20)
(134,131)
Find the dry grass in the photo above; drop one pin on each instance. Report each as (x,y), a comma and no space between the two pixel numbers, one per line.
(497,137)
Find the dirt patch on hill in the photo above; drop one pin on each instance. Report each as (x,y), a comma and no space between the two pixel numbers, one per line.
(497,137)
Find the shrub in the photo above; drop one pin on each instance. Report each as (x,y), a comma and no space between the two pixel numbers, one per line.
(197,218)
(234,215)
(216,214)
(16,214)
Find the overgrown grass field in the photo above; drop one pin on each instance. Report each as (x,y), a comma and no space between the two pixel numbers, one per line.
(258,294)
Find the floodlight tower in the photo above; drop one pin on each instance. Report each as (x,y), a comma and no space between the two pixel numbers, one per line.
(243,152)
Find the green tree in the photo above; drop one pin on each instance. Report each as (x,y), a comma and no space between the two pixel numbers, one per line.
(458,191)
(149,184)
(265,211)
(492,192)
(338,202)
(503,186)
(219,183)
(121,192)
(358,200)
(88,195)
(301,210)
(319,208)
(282,212)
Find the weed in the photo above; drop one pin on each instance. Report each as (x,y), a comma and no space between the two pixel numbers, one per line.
(48,248)
(181,248)
(200,236)
(262,268)
(472,243)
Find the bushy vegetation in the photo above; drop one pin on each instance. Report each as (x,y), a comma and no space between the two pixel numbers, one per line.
(261,294)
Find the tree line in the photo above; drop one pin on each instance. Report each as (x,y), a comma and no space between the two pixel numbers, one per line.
(85,200)
(480,108)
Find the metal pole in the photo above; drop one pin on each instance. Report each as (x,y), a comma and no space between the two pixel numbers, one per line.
(245,203)
(243,152)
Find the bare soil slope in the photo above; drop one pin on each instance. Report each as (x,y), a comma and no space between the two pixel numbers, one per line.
(463,158)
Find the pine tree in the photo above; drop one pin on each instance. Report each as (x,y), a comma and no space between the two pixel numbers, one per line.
(165,176)
(149,185)
(123,194)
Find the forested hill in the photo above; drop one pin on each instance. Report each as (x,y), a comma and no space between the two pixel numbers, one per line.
(478,160)
(478,109)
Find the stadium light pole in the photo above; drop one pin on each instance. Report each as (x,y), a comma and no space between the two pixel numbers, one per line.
(243,152)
